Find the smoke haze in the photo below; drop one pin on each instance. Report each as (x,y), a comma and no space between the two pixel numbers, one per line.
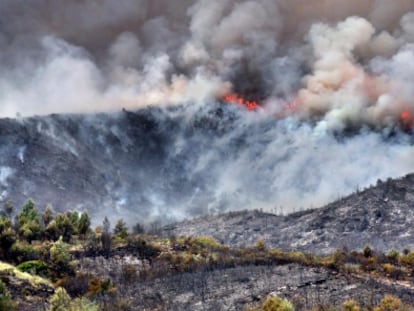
(333,79)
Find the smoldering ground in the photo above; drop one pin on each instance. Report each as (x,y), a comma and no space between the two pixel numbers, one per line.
(318,69)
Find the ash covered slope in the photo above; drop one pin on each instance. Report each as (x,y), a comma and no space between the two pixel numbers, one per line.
(172,163)
(380,217)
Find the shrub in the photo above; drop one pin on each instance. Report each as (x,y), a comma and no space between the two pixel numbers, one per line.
(23,251)
(35,267)
(6,303)
(61,301)
(393,256)
(261,245)
(274,303)
(390,303)
(350,305)
(408,259)
(83,304)
(7,234)
(59,254)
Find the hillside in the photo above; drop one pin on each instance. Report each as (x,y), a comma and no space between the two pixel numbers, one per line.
(379,216)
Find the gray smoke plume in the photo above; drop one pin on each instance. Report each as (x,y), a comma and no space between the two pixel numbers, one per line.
(333,80)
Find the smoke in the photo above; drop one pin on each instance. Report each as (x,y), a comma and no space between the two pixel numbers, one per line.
(319,69)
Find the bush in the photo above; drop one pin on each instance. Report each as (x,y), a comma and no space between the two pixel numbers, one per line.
(61,301)
(390,303)
(274,303)
(59,254)
(35,267)
(350,305)
(408,259)
(23,251)
(6,303)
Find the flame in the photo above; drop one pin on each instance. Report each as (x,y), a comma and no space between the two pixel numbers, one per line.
(407,119)
(237,99)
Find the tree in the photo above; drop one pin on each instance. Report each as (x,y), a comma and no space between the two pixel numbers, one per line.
(61,226)
(9,208)
(7,235)
(59,254)
(28,221)
(138,228)
(84,223)
(106,238)
(47,216)
(121,229)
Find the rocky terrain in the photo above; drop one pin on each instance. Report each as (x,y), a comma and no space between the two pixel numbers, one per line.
(380,217)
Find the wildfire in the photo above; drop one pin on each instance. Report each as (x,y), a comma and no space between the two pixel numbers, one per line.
(236,99)
(407,119)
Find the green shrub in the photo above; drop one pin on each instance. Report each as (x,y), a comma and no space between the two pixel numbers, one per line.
(59,254)
(23,251)
(35,267)
(6,303)
(274,303)
(60,300)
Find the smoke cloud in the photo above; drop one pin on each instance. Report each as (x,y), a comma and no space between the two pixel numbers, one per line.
(333,80)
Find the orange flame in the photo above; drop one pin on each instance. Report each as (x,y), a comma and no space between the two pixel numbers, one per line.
(407,119)
(236,99)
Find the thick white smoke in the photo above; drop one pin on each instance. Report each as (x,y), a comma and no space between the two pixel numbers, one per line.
(318,68)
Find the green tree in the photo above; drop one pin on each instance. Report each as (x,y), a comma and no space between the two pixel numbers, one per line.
(28,221)
(59,254)
(121,229)
(60,226)
(7,235)
(84,223)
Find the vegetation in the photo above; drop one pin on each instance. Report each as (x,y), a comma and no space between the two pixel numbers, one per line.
(45,249)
